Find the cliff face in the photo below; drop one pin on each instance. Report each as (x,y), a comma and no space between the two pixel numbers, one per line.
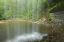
(57,16)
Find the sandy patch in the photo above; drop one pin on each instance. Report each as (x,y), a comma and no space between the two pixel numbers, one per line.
(2,22)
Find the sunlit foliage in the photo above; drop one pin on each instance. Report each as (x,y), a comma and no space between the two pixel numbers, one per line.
(24,9)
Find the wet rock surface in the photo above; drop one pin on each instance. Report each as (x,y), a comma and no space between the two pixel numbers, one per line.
(53,37)
(56,26)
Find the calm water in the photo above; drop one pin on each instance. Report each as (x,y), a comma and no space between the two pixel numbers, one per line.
(10,29)
(18,30)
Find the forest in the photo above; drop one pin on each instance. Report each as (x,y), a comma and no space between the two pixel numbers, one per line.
(10,9)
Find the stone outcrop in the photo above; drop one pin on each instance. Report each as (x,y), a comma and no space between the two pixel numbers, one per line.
(56,26)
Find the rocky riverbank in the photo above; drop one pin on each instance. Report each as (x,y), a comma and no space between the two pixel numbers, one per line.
(56,26)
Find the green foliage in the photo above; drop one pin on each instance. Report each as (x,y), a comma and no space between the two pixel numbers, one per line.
(1,10)
(57,5)
(21,9)
(25,9)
